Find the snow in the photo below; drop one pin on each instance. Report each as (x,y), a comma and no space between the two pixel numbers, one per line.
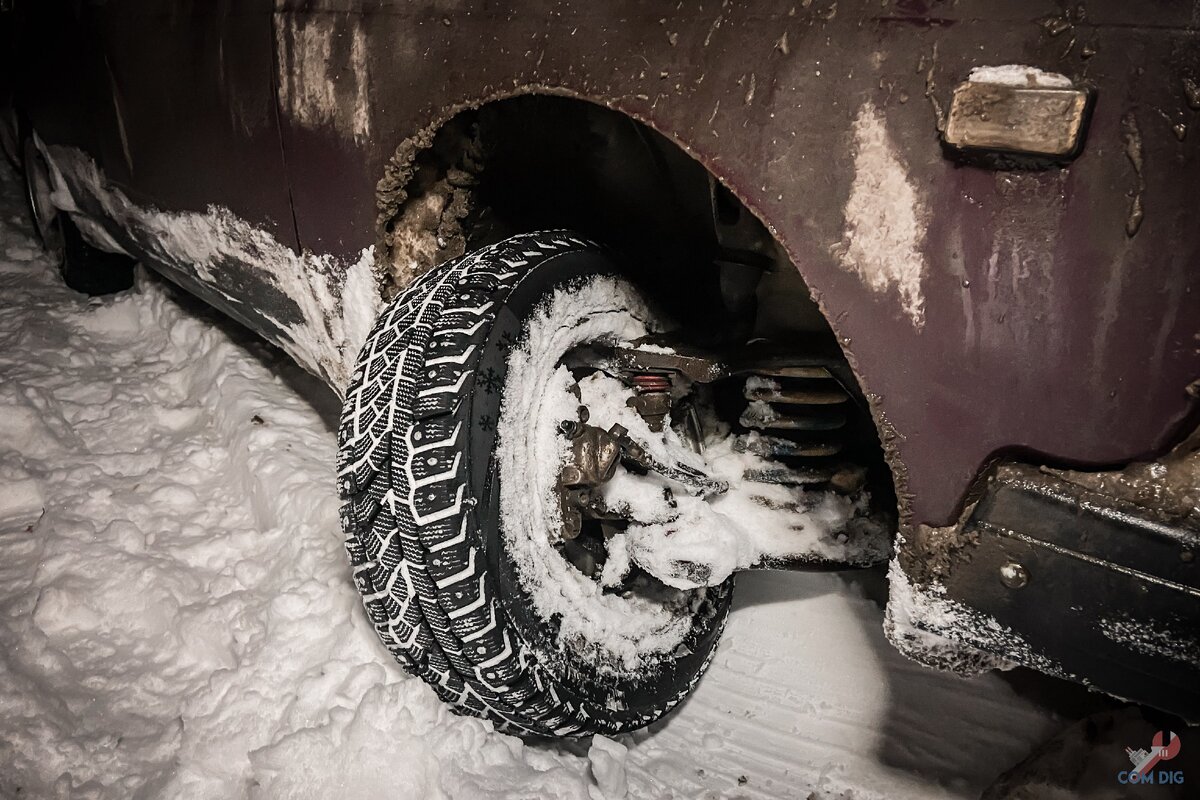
(685,541)
(1143,637)
(660,349)
(337,301)
(96,236)
(885,218)
(918,622)
(22,501)
(615,632)
(1019,75)
(177,620)
(933,629)
(608,768)
(750,523)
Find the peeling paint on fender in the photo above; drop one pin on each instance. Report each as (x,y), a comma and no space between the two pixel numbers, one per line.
(323,79)
(885,218)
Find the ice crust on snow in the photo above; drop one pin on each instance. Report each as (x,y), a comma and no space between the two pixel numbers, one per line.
(21,502)
(176,614)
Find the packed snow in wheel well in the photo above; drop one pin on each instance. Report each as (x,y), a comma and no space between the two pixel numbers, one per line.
(682,543)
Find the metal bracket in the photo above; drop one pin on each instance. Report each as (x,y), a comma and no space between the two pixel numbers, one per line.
(1106,591)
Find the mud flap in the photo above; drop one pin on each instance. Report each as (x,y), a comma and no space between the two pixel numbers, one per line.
(1078,583)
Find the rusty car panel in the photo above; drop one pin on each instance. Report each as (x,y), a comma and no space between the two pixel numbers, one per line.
(940,325)
(1036,311)
(1008,264)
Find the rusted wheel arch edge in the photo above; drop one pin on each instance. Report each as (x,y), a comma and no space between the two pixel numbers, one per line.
(403,158)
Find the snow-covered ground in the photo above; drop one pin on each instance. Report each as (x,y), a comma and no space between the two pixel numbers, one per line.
(176,618)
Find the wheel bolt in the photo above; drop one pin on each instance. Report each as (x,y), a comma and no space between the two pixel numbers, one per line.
(1013,575)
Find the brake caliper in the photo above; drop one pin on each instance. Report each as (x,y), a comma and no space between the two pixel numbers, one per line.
(595,454)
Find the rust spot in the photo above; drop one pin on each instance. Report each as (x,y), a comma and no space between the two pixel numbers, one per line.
(425,194)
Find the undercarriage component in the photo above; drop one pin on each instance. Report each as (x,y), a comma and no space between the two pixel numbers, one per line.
(777,418)
(697,482)
(843,478)
(778,447)
(83,266)
(803,409)
(593,460)
(798,405)
(779,395)
(665,357)
(744,252)
(1101,587)
(595,454)
(653,400)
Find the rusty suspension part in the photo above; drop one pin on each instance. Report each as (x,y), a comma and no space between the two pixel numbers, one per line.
(595,454)
(653,399)
(648,383)
(800,410)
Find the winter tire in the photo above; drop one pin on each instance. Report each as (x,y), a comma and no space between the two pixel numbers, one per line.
(426,494)
(84,268)
(38,189)
(9,137)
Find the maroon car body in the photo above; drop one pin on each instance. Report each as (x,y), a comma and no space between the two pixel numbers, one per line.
(1047,315)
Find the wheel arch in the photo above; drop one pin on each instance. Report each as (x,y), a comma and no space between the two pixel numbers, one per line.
(396,192)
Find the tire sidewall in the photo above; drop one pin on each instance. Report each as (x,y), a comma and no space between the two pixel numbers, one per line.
(47,220)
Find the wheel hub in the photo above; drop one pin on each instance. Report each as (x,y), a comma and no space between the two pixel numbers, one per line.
(662,385)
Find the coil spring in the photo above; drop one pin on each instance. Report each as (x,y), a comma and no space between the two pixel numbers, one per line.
(653,399)
(648,382)
(801,411)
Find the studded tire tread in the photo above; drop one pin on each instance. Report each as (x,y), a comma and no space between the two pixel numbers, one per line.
(413,530)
